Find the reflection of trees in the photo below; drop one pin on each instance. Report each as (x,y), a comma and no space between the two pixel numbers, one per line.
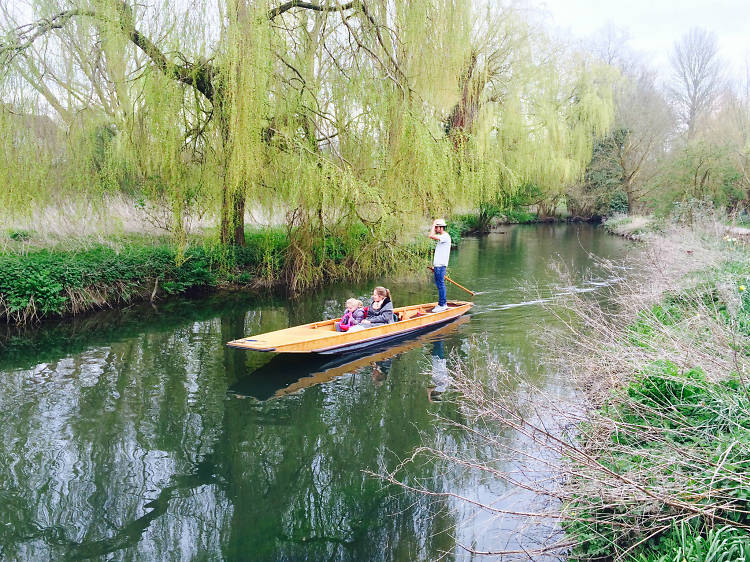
(300,479)
(105,444)
(134,447)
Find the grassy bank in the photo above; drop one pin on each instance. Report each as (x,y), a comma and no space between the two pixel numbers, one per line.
(80,276)
(660,469)
(488,218)
(634,227)
(52,274)
(54,282)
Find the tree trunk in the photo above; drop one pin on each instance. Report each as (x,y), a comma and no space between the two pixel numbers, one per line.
(238,217)
(232,214)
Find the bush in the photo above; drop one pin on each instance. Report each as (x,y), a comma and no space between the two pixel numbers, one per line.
(465,224)
(519,216)
(454,229)
(19,235)
(263,253)
(47,283)
(664,413)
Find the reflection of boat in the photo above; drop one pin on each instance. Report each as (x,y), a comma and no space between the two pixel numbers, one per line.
(322,337)
(286,374)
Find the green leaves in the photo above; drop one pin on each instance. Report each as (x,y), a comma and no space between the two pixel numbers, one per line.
(48,283)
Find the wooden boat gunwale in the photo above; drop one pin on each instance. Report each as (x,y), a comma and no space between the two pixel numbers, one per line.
(306,338)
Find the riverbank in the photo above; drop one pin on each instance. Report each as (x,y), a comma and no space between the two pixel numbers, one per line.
(660,467)
(652,454)
(41,283)
(632,227)
(83,275)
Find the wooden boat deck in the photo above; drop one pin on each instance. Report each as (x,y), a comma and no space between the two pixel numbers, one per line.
(322,337)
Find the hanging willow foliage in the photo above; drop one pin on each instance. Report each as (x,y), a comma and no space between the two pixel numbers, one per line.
(356,117)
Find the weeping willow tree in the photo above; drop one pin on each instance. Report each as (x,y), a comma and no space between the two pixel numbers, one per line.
(344,118)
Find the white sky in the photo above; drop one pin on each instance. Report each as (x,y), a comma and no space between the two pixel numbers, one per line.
(654,25)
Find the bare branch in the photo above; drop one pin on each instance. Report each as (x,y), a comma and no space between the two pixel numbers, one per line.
(308,6)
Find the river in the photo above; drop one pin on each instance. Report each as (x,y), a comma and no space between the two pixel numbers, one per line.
(137,435)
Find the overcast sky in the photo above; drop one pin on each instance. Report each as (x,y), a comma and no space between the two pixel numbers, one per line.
(654,25)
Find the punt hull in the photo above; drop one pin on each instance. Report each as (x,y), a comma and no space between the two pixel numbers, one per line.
(322,338)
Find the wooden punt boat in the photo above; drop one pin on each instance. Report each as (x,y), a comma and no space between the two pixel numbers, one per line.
(322,337)
(281,376)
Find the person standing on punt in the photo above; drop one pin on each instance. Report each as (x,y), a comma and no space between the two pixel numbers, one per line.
(440,261)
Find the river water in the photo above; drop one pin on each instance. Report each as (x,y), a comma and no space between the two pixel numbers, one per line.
(137,435)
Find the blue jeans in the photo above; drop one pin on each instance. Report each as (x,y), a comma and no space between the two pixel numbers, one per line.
(440,283)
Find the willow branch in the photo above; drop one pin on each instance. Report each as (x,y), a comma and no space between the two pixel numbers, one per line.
(308,6)
(25,35)
(197,76)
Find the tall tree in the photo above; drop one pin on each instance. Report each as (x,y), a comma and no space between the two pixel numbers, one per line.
(697,77)
(642,112)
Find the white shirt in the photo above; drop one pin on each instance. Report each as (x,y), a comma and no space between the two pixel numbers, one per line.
(442,250)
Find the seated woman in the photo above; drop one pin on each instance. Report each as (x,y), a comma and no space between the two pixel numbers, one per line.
(379,312)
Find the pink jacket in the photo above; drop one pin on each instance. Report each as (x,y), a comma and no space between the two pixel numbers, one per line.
(352,318)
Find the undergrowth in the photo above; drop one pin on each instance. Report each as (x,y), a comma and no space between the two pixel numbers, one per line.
(666,471)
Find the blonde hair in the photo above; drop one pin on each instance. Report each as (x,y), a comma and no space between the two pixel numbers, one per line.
(356,302)
(383,292)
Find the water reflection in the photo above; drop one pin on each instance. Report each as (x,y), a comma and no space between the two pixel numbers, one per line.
(146,438)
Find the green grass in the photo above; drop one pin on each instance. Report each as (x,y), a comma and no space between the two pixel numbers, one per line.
(472,223)
(86,274)
(684,412)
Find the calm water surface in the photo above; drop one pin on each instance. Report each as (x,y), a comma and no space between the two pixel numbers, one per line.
(139,436)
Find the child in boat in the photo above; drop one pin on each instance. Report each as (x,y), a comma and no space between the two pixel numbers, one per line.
(381,309)
(353,315)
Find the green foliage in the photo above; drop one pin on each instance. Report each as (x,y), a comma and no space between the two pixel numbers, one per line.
(519,216)
(49,283)
(342,246)
(686,542)
(482,221)
(465,224)
(528,193)
(334,136)
(618,203)
(701,173)
(454,229)
(642,331)
(712,420)
(601,192)
(262,255)
(19,235)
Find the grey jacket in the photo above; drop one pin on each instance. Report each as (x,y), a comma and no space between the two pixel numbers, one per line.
(382,316)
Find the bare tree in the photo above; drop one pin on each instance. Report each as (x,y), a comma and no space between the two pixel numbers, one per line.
(643,119)
(644,115)
(610,46)
(698,76)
